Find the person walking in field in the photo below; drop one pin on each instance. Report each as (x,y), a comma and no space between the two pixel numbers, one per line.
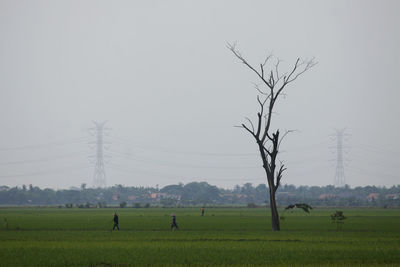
(115,222)
(173,224)
(202,211)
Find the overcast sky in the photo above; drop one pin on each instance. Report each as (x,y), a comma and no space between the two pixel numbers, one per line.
(159,72)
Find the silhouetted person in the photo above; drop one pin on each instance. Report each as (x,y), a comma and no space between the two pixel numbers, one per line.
(5,223)
(202,211)
(115,222)
(173,224)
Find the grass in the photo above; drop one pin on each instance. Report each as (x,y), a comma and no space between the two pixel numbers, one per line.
(240,236)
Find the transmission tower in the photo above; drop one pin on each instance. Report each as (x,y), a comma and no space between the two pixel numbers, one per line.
(340,178)
(99,175)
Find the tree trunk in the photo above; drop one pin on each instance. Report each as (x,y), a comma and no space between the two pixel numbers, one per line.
(269,171)
(274,211)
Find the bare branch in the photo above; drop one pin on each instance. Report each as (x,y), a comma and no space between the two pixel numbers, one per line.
(251,123)
(247,129)
(269,116)
(241,58)
(266,60)
(279,176)
(288,79)
(268,150)
(293,71)
(259,90)
(309,64)
(277,70)
(262,103)
(260,114)
(283,136)
(271,79)
(262,70)
(262,65)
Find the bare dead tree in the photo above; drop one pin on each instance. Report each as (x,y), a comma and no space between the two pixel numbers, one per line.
(268,140)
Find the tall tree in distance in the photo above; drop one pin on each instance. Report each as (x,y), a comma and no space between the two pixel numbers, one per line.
(267,139)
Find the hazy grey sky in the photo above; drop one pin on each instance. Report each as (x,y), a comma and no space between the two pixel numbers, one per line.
(159,72)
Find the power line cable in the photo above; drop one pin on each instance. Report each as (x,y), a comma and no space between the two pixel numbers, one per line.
(136,171)
(174,151)
(300,148)
(158,162)
(69,169)
(39,146)
(18,162)
(375,150)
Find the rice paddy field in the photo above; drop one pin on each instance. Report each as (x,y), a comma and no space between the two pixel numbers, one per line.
(224,236)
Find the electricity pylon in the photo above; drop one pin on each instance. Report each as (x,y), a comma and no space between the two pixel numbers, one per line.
(99,175)
(340,178)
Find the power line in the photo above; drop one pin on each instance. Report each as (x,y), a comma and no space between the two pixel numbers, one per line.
(39,146)
(138,171)
(18,162)
(69,169)
(179,152)
(169,163)
(375,150)
(299,148)
(374,172)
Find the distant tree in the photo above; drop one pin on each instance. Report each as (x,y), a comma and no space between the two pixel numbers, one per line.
(268,140)
(123,204)
(338,218)
(237,189)
(251,205)
(200,193)
(101,204)
(83,186)
(168,202)
(173,189)
(261,193)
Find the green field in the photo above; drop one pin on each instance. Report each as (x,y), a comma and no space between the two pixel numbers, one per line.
(224,236)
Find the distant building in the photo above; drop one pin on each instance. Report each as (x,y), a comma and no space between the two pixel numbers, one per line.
(228,197)
(4,188)
(392,196)
(285,194)
(159,196)
(326,196)
(373,196)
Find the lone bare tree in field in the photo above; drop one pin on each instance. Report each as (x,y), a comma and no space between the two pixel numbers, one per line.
(268,140)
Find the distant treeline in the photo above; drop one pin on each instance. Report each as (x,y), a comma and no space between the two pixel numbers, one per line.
(200,193)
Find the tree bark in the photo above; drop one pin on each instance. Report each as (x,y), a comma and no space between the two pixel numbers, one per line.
(274,211)
(269,168)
